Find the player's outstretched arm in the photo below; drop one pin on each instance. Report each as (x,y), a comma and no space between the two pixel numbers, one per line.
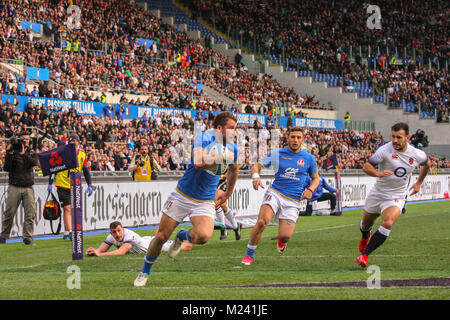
(371,171)
(423,173)
(102,251)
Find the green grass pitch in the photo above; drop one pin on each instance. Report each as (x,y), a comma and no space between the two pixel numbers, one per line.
(322,249)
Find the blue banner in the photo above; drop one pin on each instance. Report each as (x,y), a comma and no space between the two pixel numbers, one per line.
(134,111)
(314,123)
(197,86)
(82,107)
(38,73)
(145,42)
(35,27)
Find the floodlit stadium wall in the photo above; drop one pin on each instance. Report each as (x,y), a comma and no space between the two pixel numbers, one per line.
(140,203)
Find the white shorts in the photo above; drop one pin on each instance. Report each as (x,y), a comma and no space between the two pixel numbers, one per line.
(284,208)
(377,203)
(179,207)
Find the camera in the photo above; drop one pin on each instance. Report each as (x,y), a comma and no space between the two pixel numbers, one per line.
(419,139)
(17,143)
(142,163)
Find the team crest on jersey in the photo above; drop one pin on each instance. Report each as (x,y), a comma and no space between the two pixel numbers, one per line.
(268,197)
(411,160)
(301,162)
(169,205)
(394,156)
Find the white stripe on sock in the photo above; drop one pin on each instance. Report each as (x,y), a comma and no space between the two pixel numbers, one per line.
(384,231)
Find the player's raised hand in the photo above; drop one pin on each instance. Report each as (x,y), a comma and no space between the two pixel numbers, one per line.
(415,187)
(257,183)
(385,173)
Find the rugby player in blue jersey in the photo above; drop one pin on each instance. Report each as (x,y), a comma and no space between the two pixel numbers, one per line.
(292,167)
(213,152)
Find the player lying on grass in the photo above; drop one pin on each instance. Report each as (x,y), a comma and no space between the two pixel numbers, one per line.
(396,160)
(126,241)
(292,166)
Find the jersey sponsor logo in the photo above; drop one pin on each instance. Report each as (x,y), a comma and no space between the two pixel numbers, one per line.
(394,156)
(290,173)
(400,172)
(286,158)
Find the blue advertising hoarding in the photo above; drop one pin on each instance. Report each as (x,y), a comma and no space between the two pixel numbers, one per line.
(134,111)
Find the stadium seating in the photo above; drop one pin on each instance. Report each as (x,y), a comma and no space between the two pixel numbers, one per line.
(335,43)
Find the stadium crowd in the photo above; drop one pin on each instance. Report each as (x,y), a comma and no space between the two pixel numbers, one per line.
(320,33)
(107,56)
(111,143)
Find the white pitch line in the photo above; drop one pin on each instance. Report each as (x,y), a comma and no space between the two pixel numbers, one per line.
(302,257)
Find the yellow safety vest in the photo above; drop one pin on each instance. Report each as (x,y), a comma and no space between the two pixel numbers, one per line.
(68,46)
(77,46)
(63,178)
(143,173)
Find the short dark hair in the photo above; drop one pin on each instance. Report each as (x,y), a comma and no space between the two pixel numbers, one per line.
(222,118)
(114,224)
(24,133)
(401,126)
(295,129)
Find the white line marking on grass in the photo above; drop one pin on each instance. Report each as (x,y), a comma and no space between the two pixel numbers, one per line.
(301,257)
(35,265)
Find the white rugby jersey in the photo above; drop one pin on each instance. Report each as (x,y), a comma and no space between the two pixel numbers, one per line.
(139,244)
(401,163)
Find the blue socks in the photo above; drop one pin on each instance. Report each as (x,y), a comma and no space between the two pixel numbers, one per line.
(184,235)
(251,250)
(148,264)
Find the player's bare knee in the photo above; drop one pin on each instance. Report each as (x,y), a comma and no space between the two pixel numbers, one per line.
(161,238)
(387,224)
(261,224)
(201,238)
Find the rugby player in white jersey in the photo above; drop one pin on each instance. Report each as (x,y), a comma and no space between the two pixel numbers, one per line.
(126,241)
(396,160)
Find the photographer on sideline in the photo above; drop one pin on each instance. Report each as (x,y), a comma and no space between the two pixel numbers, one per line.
(19,162)
(142,165)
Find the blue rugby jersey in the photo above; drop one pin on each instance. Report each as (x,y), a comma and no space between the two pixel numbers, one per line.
(292,171)
(201,185)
